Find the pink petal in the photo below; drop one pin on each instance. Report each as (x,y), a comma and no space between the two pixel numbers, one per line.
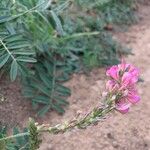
(123,107)
(126,78)
(134,79)
(134,99)
(129,79)
(113,72)
(124,111)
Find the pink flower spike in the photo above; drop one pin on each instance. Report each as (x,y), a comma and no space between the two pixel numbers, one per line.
(123,85)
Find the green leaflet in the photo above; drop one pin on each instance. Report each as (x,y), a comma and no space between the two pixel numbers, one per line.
(14,46)
(63,90)
(58,23)
(43,99)
(13,70)
(26,52)
(12,38)
(3,59)
(26,59)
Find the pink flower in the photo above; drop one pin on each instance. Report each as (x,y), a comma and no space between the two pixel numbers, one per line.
(113,72)
(122,85)
(128,98)
(133,96)
(129,79)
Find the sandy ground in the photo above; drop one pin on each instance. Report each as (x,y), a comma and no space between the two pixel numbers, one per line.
(122,132)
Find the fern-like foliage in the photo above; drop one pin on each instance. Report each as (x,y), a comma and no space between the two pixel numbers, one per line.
(15,48)
(15,52)
(44,85)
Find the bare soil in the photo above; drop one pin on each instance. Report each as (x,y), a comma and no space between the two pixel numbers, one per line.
(122,132)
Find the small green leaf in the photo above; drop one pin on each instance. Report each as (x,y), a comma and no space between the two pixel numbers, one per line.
(3,59)
(63,90)
(18,45)
(26,59)
(14,37)
(25,52)
(58,23)
(42,88)
(13,70)
(46,80)
(42,99)
(61,101)
(4,18)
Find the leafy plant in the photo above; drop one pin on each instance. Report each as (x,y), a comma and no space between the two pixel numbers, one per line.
(44,86)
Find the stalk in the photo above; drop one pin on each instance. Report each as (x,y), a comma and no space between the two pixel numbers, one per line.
(81,122)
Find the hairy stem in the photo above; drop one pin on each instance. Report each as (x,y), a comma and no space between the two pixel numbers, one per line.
(81,122)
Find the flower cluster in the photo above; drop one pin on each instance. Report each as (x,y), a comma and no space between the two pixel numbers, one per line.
(122,86)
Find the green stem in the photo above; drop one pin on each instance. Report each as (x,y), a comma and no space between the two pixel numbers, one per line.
(76,35)
(90,118)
